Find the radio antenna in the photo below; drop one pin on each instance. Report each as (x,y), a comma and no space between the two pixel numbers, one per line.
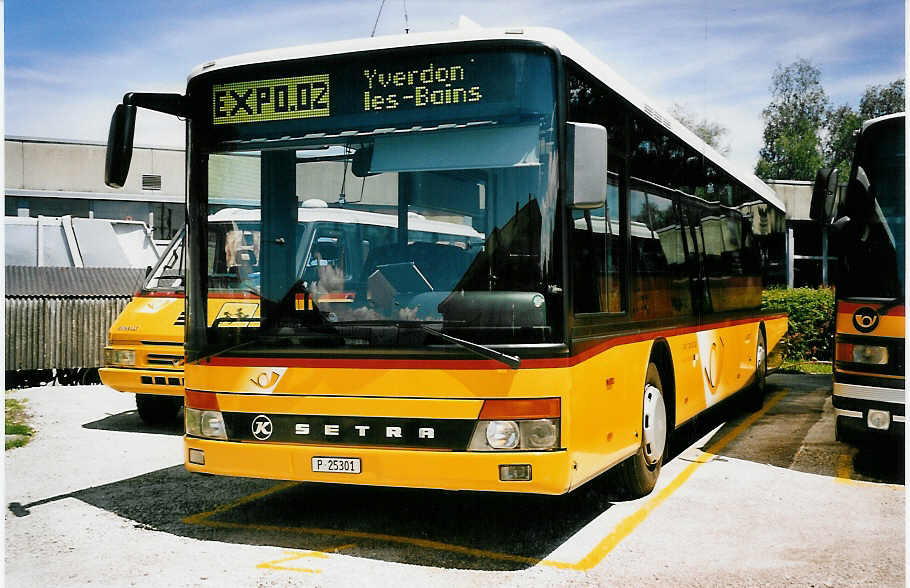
(405,3)
(378,14)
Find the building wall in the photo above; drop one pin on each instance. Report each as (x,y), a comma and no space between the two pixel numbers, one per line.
(54,177)
(796,195)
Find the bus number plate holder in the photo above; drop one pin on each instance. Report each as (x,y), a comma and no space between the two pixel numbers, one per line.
(336,465)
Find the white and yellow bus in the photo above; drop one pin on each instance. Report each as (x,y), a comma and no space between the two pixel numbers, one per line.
(615,293)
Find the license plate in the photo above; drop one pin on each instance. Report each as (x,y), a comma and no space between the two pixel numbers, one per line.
(337,465)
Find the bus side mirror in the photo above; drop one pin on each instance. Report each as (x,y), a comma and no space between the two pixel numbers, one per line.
(587,165)
(120,145)
(823,207)
(361,162)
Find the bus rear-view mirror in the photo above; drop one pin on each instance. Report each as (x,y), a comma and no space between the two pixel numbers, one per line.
(120,145)
(587,165)
(823,207)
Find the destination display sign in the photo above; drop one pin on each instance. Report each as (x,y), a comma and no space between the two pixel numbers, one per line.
(337,94)
(264,100)
(311,96)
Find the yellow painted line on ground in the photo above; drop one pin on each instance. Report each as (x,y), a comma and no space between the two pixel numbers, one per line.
(294,555)
(426,543)
(631,522)
(844,468)
(594,557)
(202,516)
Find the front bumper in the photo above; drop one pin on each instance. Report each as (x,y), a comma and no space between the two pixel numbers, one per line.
(143,381)
(446,470)
(852,404)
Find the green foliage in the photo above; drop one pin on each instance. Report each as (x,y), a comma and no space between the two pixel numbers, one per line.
(802,133)
(810,334)
(881,100)
(793,119)
(841,124)
(16,423)
(708,131)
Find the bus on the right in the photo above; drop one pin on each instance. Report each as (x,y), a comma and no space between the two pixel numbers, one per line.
(868,222)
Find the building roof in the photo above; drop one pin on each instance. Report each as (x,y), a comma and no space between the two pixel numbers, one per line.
(79,282)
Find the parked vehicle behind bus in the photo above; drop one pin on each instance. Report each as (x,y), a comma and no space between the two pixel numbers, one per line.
(870,235)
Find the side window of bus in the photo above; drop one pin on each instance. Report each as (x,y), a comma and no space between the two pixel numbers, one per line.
(595,256)
(660,284)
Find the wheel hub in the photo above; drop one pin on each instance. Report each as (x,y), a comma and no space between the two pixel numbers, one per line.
(654,424)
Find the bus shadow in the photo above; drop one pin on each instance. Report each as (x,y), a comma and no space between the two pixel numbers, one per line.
(796,433)
(130,422)
(463,530)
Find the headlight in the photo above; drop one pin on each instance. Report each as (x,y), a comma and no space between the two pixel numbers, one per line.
(119,356)
(870,354)
(539,433)
(530,434)
(205,423)
(502,434)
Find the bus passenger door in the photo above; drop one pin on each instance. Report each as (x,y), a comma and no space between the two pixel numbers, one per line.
(710,342)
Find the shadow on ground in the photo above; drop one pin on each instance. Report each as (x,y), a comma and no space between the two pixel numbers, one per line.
(466,530)
(469,530)
(129,422)
(798,433)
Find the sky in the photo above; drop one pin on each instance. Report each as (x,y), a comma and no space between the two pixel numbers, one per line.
(67,64)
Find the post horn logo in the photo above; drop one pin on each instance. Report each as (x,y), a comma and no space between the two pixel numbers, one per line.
(865,319)
(265,380)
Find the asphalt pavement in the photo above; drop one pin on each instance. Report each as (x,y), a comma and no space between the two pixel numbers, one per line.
(746,499)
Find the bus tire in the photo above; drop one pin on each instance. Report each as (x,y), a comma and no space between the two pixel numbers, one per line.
(156,409)
(755,396)
(637,476)
(843,433)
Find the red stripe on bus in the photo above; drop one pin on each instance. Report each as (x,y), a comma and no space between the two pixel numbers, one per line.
(851,307)
(153,294)
(472,364)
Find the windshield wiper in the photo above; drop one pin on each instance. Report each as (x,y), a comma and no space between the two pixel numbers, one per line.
(482,350)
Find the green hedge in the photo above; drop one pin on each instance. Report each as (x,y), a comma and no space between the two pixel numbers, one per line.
(811,319)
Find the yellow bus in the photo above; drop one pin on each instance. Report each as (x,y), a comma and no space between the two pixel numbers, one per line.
(869,396)
(615,294)
(144,355)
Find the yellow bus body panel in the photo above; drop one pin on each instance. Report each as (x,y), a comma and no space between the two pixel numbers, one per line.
(601,405)
(153,328)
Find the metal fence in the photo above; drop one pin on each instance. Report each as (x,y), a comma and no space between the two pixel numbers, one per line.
(59,332)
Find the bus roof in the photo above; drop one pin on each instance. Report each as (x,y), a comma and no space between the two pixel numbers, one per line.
(875,121)
(416,222)
(557,39)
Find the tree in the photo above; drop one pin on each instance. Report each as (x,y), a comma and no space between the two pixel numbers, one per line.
(708,131)
(843,123)
(882,100)
(792,146)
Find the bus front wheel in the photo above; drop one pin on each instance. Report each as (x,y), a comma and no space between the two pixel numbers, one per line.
(755,395)
(637,476)
(156,409)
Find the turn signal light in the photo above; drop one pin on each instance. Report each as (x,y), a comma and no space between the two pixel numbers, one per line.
(519,408)
(201,400)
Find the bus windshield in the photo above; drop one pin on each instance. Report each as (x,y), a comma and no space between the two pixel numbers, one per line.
(403,222)
(874,260)
(168,274)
